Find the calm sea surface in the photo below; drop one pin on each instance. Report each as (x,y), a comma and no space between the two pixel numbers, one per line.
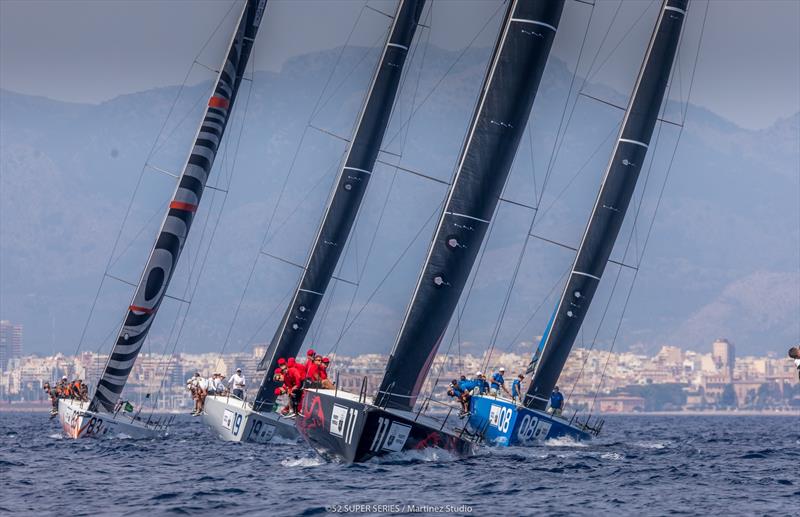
(641,465)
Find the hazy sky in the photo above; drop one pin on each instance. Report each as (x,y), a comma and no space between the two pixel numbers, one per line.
(90,51)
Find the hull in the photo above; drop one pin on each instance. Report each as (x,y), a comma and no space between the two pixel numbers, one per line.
(344,427)
(234,420)
(78,422)
(502,423)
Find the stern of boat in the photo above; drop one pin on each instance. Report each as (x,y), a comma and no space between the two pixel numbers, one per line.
(234,420)
(344,427)
(502,423)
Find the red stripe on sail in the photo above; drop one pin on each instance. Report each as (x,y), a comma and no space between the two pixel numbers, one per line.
(218,102)
(136,308)
(187,207)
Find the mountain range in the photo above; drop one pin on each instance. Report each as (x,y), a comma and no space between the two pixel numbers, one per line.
(723,259)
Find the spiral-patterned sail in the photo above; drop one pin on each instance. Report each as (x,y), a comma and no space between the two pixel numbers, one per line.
(175,228)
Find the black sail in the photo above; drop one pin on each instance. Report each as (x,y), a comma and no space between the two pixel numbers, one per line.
(611,204)
(345,200)
(499,120)
(175,228)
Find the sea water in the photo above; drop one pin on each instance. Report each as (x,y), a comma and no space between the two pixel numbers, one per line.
(640,465)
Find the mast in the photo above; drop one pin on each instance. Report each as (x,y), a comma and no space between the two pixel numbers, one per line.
(611,204)
(498,123)
(346,198)
(174,229)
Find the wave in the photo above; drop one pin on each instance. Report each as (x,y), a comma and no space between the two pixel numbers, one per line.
(564,441)
(430,455)
(303,462)
(652,445)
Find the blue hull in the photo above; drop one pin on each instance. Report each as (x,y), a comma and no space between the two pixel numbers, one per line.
(502,423)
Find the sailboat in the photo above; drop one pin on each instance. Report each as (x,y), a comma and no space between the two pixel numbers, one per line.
(258,420)
(100,415)
(502,421)
(352,428)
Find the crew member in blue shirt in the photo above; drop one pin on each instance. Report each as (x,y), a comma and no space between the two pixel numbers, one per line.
(481,383)
(466,387)
(556,402)
(516,388)
(498,382)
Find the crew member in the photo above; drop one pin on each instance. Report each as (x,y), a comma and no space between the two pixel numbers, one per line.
(323,374)
(202,392)
(556,402)
(219,384)
(239,384)
(516,388)
(455,391)
(794,353)
(193,386)
(51,392)
(313,379)
(498,382)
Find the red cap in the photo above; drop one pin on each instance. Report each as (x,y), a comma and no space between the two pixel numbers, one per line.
(277,391)
(325,360)
(278,370)
(281,361)
(311,353)
(291,361)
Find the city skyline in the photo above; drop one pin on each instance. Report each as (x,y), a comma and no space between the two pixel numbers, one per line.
(671,380)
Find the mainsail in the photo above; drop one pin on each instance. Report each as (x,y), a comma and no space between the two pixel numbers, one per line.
(175,228)
(611,204)
(500,117)
(345,199)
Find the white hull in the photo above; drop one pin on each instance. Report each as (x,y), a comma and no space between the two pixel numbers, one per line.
(78,422)
(234,420)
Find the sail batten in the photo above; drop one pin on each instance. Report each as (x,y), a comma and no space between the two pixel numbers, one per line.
(163,259)
(612,203)
(345,201)
(497,125)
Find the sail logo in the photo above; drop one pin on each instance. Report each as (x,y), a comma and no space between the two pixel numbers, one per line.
(500,417)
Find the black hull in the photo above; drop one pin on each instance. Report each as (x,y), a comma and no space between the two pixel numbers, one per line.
(342,429)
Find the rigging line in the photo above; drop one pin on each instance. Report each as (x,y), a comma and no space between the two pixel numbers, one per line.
(599,47)
(437,210)
(626,34)
(446,73)
(621,108)
(658,204)
(371,49)
(315,110)
(330,133)
(415,173)
(557,145)
(558,282)
(380,12)
(533,164)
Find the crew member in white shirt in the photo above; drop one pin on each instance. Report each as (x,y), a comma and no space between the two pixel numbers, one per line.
(238,382)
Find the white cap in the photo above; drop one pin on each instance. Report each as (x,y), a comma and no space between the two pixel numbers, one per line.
(479,373)
(502,369)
